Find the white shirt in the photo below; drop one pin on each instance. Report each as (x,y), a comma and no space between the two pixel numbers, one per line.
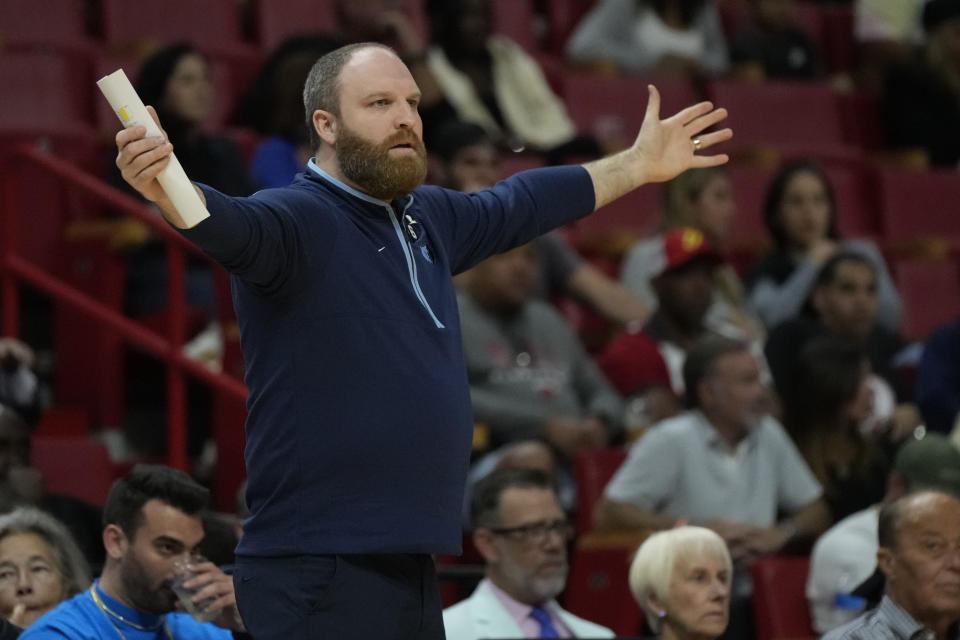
(843,557)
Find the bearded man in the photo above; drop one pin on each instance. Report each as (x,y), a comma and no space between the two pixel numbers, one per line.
(359,421)
(153,526)
(522,534)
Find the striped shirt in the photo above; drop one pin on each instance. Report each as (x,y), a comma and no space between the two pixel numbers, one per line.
(886,622)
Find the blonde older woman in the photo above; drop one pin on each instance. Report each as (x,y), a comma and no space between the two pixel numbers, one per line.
(40,565)
(681,579)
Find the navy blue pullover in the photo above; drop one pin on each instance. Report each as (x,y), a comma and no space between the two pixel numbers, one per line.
(359,422)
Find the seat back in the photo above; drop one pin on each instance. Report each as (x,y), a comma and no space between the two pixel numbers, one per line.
(916,205)
(52,22)
(592,471)
(795,115)
(598,589)
(211,23)
(930,290)
(74,466)
(779,598)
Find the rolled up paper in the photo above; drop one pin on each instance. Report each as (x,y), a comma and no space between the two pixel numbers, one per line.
(123,98)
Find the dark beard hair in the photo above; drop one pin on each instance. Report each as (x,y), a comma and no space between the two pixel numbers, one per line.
(370,167)
(141,594)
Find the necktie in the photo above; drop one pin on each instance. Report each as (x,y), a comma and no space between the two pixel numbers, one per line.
(547,630)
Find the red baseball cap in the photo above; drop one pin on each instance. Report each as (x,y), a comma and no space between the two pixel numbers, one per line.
(682,245)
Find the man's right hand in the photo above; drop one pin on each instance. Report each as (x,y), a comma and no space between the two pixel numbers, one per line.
(140,159)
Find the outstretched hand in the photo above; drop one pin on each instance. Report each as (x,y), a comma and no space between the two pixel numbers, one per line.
(663,150)
(668,147)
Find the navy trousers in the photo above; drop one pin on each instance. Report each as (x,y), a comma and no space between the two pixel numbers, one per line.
(342,597)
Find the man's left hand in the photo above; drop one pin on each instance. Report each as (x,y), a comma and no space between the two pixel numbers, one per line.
(214,583)
(666,148)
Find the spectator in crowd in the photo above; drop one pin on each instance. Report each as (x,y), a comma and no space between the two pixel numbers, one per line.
(681,578)
(825,404)
(529,375)
(701,199)
(40,565)
(844,304)
(887,32)
(800,214)
(470,161)
(273,107)
(20,390)
(652,36)
(522,534)
(176,80)
(772,45)
(153,522)
(938,379)
(22,485)
(921,103)
(723,464)
(846,555)
(638,360)
(490,80)
(919,538)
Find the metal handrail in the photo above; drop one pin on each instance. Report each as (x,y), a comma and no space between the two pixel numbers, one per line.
(15,267)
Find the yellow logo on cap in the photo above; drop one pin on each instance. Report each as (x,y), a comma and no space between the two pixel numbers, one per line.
(691,240)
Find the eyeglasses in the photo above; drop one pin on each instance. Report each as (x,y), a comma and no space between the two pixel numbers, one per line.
(536,532)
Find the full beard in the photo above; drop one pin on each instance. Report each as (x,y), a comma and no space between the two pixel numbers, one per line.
(146,597)
(370,167)
(539,589)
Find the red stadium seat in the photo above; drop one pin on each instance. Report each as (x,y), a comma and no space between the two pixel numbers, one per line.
(748,231)
(280,19)
(920,205)
(633,215)
(514,19)
(592,471)
(793,118)
(930,290)
(516,162)
(598,589)
(44,90)
(52,22)
(857,215)
(79,467)
(779,598)
(212,23)
(614,106)
(563,16)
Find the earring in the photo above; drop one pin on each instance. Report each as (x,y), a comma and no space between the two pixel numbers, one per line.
(662,614)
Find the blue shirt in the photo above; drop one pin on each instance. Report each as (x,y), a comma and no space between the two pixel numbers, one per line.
(79,618)
(359,420)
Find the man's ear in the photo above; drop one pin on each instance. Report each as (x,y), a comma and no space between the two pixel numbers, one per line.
(115,541)
(483,541)
(886,563)
(325,124)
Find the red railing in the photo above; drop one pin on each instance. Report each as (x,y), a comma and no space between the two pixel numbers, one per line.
(15,268)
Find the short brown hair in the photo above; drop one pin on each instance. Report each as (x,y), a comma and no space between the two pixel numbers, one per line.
(322,88)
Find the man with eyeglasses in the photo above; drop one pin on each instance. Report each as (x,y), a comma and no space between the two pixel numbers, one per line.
(522,534)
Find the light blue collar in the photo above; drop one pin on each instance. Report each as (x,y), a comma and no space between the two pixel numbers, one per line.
(341,185)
